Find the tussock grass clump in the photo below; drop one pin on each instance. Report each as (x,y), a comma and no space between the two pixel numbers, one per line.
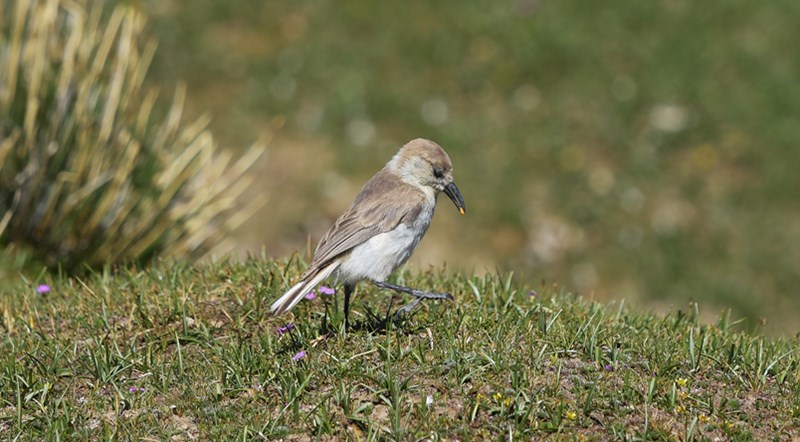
(90,171)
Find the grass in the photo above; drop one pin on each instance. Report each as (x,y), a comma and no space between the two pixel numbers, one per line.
(95,168)
(184,352)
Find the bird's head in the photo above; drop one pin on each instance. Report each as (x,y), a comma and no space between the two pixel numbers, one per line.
(423,163)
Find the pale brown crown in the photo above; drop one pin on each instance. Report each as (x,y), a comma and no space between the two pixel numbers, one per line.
(424,163)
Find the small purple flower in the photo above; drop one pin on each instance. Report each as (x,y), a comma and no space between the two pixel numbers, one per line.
(310,296)
(43,288)
(532,294)
(299,356)
(608,367)
(285,329)
(136,390)
(326,290)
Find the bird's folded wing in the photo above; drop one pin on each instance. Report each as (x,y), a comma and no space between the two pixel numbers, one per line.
(379,208)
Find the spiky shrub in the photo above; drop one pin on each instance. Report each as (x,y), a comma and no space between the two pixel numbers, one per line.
(89,172)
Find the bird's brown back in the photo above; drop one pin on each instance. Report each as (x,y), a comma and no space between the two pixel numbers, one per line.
(383,203)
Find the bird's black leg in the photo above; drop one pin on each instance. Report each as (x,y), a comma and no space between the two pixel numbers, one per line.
(419,294)
(348,290)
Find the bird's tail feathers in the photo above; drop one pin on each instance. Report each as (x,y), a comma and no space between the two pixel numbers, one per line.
(295,294)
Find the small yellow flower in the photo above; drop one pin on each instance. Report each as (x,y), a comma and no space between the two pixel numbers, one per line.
(683,394)
(680,409)
(479,397)
(571,415)
(507,401)
(703,418)
(681,381)
(497,396)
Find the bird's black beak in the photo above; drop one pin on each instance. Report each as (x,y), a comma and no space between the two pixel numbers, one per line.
(452,192)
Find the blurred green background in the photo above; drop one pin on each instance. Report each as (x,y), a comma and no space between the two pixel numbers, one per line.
(644,150)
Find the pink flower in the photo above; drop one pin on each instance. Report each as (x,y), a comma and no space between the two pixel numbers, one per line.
(43,288)
(326,290)
(310,296)
(299,356)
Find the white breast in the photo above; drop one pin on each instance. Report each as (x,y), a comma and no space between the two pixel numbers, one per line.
(379,256)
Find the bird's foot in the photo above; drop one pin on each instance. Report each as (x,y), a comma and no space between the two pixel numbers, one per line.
(419,294)
(407,309)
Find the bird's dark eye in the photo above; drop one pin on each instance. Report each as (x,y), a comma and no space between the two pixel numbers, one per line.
(438,172)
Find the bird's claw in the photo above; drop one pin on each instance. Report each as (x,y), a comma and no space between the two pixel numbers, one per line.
(406,309)
(429,295)
(410,306)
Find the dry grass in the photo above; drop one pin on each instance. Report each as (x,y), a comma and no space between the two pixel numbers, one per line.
(92,170)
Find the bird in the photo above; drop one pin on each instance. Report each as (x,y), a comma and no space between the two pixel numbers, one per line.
(382,227)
